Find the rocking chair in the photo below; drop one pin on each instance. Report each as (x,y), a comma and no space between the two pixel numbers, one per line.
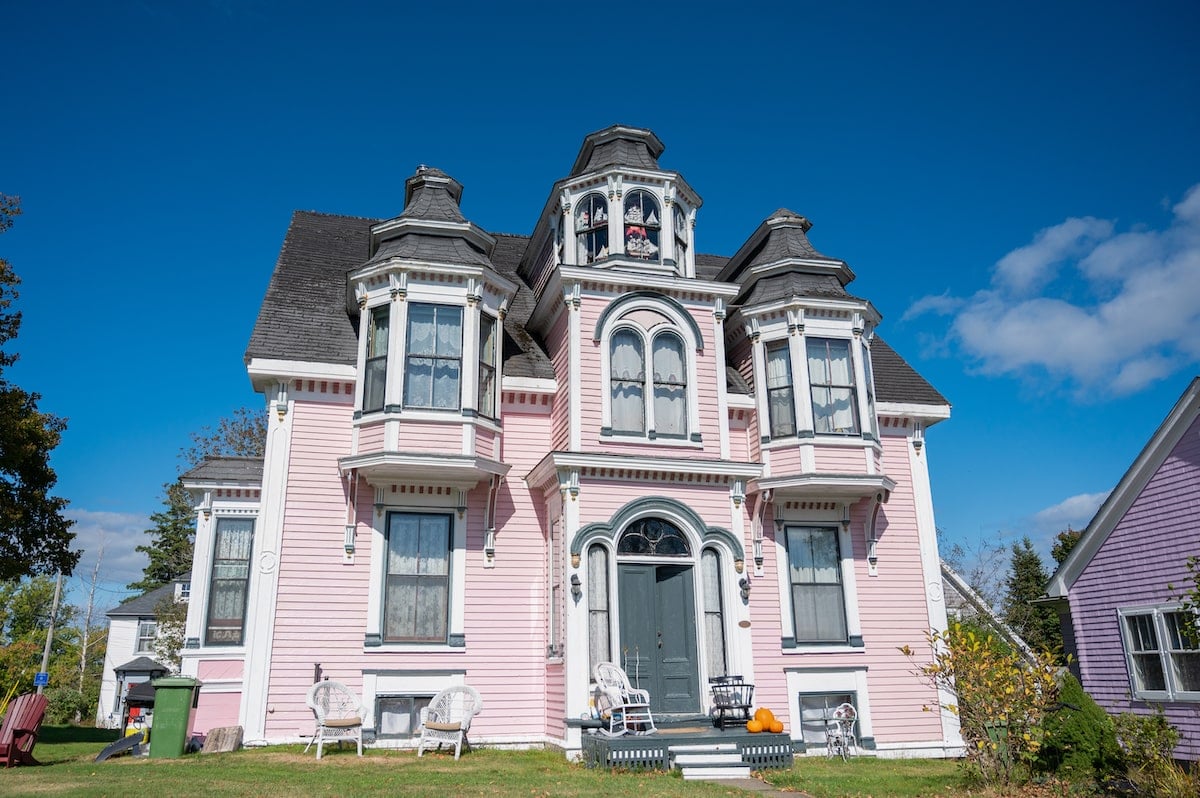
(623,709)
(339,715)
(447,719)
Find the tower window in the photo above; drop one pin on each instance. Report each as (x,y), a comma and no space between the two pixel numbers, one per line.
(591,228)
(643,223)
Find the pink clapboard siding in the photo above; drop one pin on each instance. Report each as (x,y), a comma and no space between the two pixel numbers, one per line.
(222,669)
(422,436)
(839,460)
(784,459)
(1145,553)
(214,710)
(739,443)
(370,437)
(485,442)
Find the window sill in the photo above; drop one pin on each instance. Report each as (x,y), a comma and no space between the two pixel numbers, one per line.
(455,416)
(641,439)
(374,642)
(790,647)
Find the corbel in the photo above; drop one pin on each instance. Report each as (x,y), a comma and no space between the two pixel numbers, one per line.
(573,295)
(398,285)
(565,201)
(719,309)
(858,324)
(360,294)
(795,317)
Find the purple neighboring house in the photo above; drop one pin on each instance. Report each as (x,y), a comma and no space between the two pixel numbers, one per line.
(1119,591)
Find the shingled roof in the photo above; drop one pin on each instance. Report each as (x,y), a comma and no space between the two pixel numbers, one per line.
(143,606)
(618,145)
(229,468)
(896,381)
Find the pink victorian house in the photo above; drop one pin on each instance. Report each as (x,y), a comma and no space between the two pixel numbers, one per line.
(499,460)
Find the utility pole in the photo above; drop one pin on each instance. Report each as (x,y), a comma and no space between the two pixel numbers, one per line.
(50,630)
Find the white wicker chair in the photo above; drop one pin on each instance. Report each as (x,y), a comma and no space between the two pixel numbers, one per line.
(339,715)
(623,708)
(447,719)
(839,734)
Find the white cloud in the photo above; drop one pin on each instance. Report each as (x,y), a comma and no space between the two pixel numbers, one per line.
(1121,318)
(939,304)
(1036,263)
(1074,512)
(110,538)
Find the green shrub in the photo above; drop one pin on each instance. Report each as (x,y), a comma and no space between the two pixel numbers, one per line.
(63,704)
(1081,741)
(1148,742)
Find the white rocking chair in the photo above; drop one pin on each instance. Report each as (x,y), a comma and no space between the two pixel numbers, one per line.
(622,708)
(339,715)
(447,719)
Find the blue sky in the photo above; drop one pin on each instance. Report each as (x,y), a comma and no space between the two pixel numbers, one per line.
(1014,185)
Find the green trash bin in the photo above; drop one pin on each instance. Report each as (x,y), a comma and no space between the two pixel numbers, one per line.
(175,700)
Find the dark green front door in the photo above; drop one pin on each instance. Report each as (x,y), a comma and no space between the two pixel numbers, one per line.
(658,634)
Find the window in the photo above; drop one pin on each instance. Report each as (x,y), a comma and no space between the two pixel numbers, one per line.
(667,413)
(681,236)
(831,378)
(146,633)
(597,576)
(815,711)
(781,406)
(434,357)
(1164,663)
(714,620)
(642,225)
(485,401)
(815,573)
(628,382)
(233,543)
(655,537)
(375,378)
(591,229)
(399,716)
(417,578)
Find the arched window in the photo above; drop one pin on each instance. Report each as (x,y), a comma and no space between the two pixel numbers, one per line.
(628,377)
(643,223)
(670,385)
(653,536)
(591,228)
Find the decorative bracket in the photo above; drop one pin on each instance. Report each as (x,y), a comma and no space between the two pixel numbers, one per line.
(398,285)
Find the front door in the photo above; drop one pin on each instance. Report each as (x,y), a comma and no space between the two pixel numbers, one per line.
(658,634)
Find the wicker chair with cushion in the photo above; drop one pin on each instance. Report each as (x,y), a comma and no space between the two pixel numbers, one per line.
(447,719)
(339,715)
(623,708)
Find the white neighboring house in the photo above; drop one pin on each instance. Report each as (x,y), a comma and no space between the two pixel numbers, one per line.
(130,657)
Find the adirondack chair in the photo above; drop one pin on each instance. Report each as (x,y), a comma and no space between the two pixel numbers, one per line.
(339,715)
(447,719)
(19,731)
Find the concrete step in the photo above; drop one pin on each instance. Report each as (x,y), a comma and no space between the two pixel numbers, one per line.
(708,759)
(705,773)
(703,748)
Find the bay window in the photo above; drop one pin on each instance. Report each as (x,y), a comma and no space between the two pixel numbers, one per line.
(375,378)
(433,360)
(831,381)
(781,405)
(485,400)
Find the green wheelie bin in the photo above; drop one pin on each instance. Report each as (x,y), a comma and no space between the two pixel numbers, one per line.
(175,700)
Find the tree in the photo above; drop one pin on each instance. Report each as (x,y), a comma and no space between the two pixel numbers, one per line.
(1027,577)
(170,549)
(25,607)
(35,538)
(1063,543)
(980,564)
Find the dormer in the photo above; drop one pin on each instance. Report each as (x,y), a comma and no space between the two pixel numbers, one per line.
(431,307)
(618,210)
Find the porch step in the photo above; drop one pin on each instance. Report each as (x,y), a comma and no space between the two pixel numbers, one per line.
(709,761)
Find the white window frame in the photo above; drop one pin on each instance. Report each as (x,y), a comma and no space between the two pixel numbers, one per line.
(374,640)
(676,325)
(208,598)
(849,588)
(1157,613)
(853,386)
(464,353)
(144,641)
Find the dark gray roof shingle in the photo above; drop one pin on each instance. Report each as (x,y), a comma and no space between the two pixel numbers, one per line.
(790,284)
(896,381)
(143,606)
(618,145)
(227,468)
(433,195)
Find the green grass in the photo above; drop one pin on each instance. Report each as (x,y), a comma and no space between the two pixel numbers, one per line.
(284,771)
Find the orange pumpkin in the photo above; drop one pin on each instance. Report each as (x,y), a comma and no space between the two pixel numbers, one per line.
(753,726)
(764,716)
(776,727)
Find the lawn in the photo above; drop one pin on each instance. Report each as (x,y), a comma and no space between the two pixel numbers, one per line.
(68,769)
